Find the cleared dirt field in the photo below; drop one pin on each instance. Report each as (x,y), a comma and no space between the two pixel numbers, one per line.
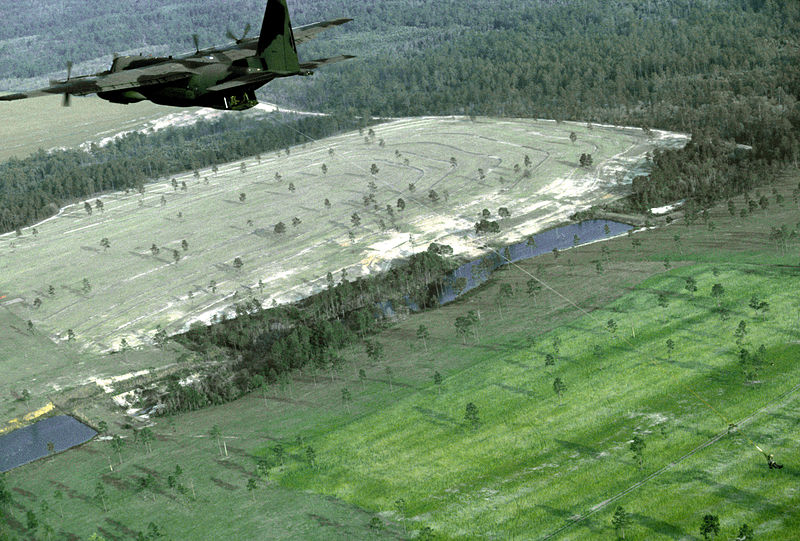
(130,289)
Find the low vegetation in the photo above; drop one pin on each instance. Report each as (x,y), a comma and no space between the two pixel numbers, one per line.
(162,265)
(528,455)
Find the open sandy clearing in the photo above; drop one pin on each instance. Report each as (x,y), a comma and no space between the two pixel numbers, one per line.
(43,123)
(132,290)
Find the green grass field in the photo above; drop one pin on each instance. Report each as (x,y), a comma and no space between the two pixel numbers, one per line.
(133,291)
(535,464)
(63,374)
(533,461)
(42,123)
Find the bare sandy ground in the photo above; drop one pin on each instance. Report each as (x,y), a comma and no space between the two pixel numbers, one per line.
(133,291)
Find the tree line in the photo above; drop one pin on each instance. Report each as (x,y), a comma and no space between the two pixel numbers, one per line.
(706,170)
(268,344)
(723,70)
(34,188)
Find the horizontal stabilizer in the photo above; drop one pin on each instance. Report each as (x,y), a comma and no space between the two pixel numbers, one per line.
(314,64)
(308,32)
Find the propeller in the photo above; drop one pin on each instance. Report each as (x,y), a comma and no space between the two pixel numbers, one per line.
(238,40)
(196,40)
(66,100)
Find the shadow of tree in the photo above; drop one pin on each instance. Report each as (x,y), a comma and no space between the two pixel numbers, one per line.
(579,447)
(517,390)
(658,526)
(437,418)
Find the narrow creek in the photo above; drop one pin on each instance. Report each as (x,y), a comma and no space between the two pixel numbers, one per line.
(478,271)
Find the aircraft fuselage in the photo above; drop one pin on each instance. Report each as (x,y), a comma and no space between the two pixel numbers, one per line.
(205,70)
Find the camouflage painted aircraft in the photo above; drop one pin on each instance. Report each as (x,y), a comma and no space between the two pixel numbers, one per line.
(218,77)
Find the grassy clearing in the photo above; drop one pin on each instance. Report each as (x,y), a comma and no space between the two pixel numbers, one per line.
(132,290)
(215,502)
(62,374)
(500,476)
(26,356)
(546,461)
(42,123)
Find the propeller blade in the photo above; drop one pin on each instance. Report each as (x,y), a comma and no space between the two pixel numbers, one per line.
(66,101)
(196,40)
(233,36)
(69,69)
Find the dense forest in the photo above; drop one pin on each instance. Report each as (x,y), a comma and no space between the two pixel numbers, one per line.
(728,68)
(268,344)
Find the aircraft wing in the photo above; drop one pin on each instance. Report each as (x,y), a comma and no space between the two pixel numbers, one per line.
(78,86)
(310,31)
(266,76)
(249,79)
(124,80)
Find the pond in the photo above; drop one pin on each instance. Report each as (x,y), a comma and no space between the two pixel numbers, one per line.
(478,271)
(30,443)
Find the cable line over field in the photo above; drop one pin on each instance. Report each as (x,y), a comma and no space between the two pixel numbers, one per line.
(727,423)
(508,261)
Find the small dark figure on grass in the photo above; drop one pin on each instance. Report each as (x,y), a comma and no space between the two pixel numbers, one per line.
(376,524)
(772,464)
(637,448)
(745,533)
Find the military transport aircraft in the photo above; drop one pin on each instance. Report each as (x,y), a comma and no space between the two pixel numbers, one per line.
(217,77)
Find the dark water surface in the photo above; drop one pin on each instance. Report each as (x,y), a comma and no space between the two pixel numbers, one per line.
(478,271)
(30,443)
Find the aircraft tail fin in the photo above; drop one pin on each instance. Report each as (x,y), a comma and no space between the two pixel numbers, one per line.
(276,45)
